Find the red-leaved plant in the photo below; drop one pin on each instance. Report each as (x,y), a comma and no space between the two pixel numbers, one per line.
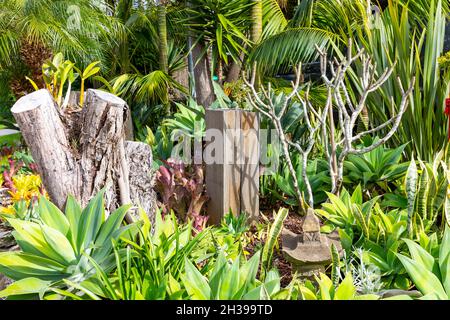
(181,189)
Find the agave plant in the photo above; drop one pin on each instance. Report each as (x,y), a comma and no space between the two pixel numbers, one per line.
(189,121)
(58,248)
(234,281)
(346,290)
(430,273)
(149,269)
(380,167)
(319,179)
(359,221)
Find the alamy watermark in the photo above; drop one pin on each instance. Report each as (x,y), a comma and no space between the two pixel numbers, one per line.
(229,147)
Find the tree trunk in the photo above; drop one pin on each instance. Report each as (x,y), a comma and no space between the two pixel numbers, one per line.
(235,69)
(257,30)
(162,29)
(80,151)
(257,21)
(163,50)
(202,75)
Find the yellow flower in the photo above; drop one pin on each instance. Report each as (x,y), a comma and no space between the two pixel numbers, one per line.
(27,187)
(8,210)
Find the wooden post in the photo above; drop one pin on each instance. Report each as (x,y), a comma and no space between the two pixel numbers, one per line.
(232,178)
(250,166)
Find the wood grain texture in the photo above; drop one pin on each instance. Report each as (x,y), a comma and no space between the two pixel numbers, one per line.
(80,151)
(232,182)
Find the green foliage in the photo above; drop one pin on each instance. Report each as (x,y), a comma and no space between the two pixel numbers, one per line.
(430,273)
(327,290)
(378,168)
(151,267)
(416,50)
(221,25)
(272,238)
(145,88)
(360,220)
(426,190)
(80,30)
(55,74)
(90,71)
(318,175)
(281,51)
(188,121)
(233,281)
(366,225)
(235,225)
(61,246)
(423,195)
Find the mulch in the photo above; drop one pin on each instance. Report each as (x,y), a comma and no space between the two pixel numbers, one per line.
(293,223)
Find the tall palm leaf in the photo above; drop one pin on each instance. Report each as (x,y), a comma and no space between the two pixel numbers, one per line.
(280,52)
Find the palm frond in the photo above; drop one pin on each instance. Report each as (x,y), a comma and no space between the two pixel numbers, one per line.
(290,47)
(274,20)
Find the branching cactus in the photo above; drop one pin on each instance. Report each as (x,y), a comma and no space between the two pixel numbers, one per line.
(348,112)
(319,120)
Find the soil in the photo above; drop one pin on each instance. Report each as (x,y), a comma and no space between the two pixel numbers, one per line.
(293,223)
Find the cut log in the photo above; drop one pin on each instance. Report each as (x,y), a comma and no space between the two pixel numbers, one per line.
(80,151)
(141,176)
(41,126)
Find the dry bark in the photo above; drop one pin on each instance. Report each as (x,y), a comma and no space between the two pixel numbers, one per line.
(79,151)
(203,84)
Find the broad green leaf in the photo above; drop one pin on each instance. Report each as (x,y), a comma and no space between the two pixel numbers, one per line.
(19,265)
(111,224)
(25,286)
(424,280)
(420,255)
(91,70)
(326,287)
(307,293)
(90,221)
(73,214)
(31,235)
(230,282)
(254,294)
(58,242)
(196,285)
(346,290)
(52,216)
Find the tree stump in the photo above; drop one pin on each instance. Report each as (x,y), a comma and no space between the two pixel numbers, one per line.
(79,151)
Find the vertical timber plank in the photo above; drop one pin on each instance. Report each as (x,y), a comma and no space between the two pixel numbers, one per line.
(214,171)
(223,175)
(250,165)
(232,169)
(232,180)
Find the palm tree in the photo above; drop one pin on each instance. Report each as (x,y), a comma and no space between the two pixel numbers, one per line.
(284,43)
(162,30)
(257,21)
(220,26)
(79,29)
(155,51)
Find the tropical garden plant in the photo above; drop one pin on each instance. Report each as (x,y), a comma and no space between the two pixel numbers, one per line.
(356,91)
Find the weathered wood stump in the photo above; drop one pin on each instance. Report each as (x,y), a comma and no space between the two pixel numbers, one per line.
(79,151)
